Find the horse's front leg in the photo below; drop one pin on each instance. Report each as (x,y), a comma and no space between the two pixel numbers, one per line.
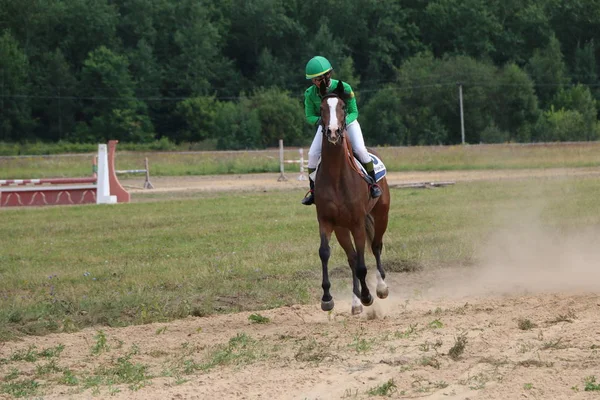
(345,240)
(359,235)
(324,253)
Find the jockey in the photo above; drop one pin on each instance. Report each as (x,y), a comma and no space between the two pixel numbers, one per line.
(319,69)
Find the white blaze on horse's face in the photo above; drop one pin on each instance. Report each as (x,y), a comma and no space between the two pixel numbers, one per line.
(333,120)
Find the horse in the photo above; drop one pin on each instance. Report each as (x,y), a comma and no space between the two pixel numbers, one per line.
(344,205)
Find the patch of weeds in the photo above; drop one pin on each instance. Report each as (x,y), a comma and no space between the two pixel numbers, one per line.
(525,324)
(125,371)
(241,349)
(68,378)
(411,330)
(462,310)
(436,324)
(568,317)
(12,375)
(386,389)
(23,388)
(69,326)
(525,347)
(258,319)
(180,381)
(403,266)
(535,363)
(493,361)
(92,381)
(45,369)
(528,386)
(420,384)
(29,355)
(426,346)
(459,347)
(312,351)
(157,353)
(113,390)
(476,382)
(430,362)
(101,344)
(52,351)
(553,345)
(590,384)
(361,345)
(162,330)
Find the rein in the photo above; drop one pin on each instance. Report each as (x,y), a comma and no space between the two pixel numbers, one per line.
(350,157)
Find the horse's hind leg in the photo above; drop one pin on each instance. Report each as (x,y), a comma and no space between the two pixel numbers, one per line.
(345,240)
(324,253)
(380,217)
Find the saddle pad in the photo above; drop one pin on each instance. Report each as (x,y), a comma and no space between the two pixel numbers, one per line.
(378,167)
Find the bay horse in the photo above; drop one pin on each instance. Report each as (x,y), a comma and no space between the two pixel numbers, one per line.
(344,205)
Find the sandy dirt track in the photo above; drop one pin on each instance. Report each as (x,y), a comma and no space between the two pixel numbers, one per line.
(270,181)
(530,330)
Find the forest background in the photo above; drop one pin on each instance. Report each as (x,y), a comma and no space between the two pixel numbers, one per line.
(229,74)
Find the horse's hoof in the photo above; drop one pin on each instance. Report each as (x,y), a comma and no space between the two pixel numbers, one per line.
(327,305)
(367,301)
(382,291)
(356,309)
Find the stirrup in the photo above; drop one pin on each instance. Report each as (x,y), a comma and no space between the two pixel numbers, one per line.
(309,198)
(375,190)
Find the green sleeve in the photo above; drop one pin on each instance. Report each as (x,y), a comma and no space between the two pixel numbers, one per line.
(351,107)
(311,112)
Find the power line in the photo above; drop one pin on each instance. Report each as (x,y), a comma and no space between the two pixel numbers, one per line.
(390,86)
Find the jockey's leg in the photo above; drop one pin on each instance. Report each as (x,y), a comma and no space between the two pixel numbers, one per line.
(314,153)
(359,148)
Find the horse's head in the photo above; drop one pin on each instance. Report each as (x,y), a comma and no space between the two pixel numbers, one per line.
(333,112)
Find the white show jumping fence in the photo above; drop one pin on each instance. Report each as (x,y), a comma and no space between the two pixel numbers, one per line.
(303,164)
(147,183)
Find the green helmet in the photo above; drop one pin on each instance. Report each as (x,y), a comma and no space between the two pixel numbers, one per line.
(317,66)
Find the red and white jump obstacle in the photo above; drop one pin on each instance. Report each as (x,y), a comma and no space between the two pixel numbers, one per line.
(102,187)
(303,164)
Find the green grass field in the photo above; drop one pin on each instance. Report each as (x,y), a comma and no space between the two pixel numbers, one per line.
(396,159)
(65,268)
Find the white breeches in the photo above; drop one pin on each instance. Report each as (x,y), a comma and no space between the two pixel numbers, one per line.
(356,139)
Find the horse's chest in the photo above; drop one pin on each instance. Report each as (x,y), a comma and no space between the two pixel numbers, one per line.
(344,214)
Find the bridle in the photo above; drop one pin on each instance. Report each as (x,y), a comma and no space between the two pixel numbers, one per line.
(340,133)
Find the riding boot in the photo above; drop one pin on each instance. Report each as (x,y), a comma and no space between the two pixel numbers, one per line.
(374,187)
(309,198)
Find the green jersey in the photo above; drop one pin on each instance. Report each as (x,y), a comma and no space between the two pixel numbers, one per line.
(312,103)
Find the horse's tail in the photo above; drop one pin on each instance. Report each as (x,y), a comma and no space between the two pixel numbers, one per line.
(370,228)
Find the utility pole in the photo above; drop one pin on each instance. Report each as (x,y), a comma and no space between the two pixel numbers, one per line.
(462,117)
(2,108)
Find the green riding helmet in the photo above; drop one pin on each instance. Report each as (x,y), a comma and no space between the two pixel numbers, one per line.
(317,66)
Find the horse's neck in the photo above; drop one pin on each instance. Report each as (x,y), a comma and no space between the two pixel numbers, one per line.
(334,160)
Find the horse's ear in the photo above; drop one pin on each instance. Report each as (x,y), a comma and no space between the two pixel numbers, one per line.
(339,90)
(323,88)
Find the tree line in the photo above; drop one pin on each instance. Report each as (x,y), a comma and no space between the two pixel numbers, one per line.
(231,72)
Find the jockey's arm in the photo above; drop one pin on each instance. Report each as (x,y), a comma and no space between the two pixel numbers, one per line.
(311,111)
(351,109)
